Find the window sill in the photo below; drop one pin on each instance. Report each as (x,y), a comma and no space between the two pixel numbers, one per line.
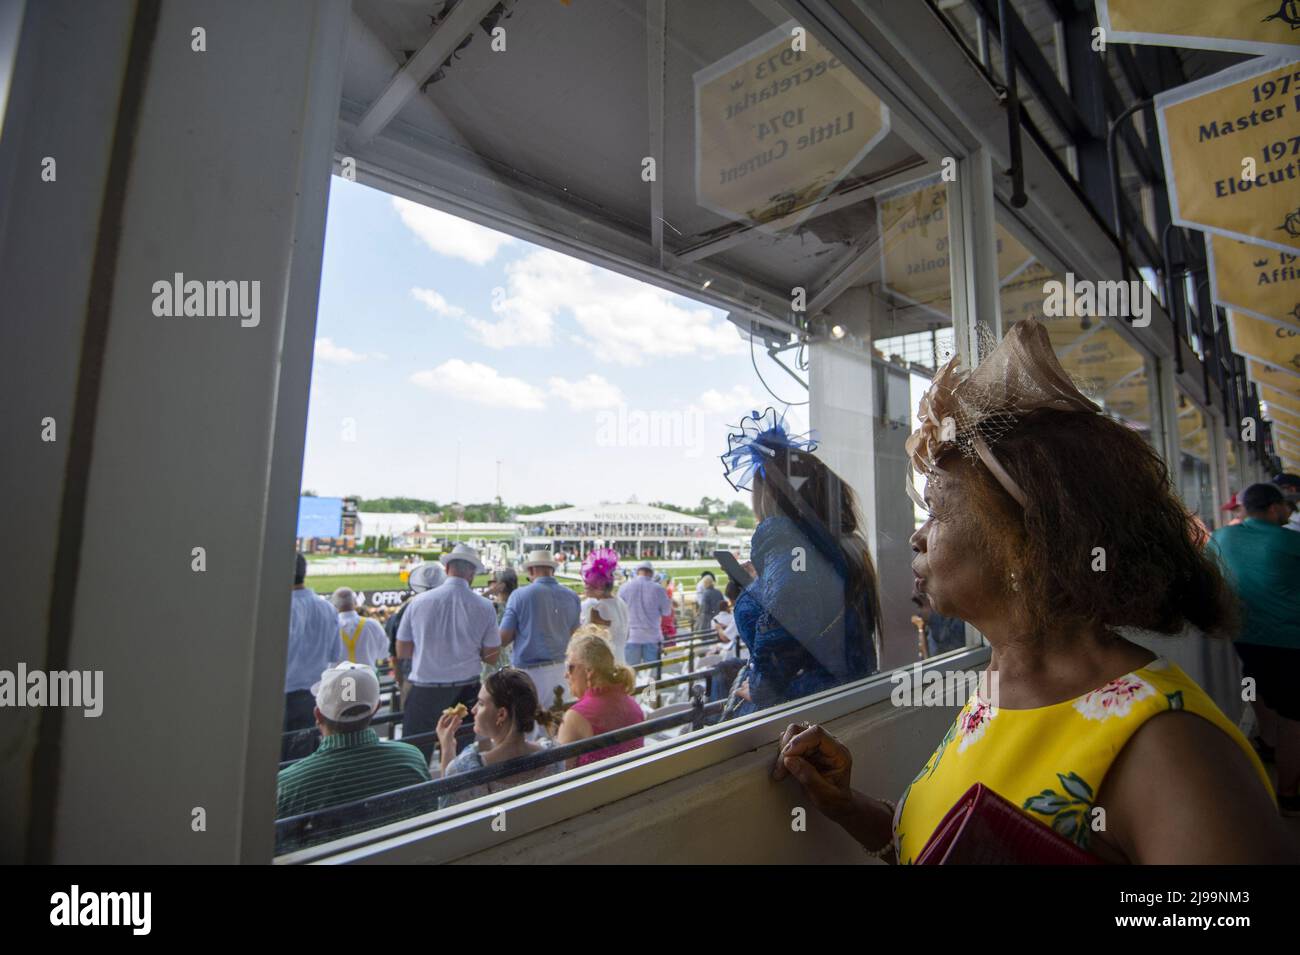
(434,838)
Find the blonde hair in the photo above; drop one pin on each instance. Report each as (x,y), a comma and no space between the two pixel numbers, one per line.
(591,647)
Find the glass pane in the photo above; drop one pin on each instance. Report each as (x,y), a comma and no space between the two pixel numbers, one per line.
(1104,366)
(1195,464)
(781,243)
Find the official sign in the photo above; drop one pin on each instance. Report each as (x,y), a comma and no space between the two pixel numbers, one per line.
(1255,280)
(776,128)
(1231,145)
(1262,27)
(383,598)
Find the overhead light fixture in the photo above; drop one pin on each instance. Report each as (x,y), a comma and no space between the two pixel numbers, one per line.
(707,283)
(837,331)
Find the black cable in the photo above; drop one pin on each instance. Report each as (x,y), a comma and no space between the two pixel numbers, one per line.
(754,361)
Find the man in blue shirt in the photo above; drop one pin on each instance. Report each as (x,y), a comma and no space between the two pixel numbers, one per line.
(314,646)
(539,619)
(1262,561)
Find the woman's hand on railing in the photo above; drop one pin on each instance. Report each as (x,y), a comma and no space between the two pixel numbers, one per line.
(822,764)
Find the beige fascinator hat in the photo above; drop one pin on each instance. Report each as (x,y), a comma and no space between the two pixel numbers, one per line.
(970,410)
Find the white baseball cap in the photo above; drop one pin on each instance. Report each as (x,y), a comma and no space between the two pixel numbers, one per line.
(347,692)
(426,576)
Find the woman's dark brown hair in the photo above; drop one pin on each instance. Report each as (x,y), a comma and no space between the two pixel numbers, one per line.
(1092,482)
(513,690)
(826,510)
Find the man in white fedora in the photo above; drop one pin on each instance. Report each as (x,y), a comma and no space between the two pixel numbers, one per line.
(538,621)
(423,577)
(447,633)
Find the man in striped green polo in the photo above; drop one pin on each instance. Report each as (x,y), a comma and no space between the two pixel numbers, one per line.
(351,761)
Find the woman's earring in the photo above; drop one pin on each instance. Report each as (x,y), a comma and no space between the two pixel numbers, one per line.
(1015,584)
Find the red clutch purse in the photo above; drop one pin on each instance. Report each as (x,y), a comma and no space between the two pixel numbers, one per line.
(982,828)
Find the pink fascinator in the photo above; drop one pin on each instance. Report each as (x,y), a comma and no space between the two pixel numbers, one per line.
(598,569)
(970,410)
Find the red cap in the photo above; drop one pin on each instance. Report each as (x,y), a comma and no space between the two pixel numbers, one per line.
(1232,502)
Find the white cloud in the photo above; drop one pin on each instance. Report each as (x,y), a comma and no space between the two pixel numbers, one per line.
(589,393)
(481,384)
(448,235)
(621,320)
(736,401)
(327,351)
(522,323)
(730,406)
(436,303)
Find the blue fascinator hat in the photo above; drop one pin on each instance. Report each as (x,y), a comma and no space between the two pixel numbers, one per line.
(754,442)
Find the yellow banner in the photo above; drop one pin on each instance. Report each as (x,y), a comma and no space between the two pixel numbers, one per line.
(1283,416)
(1255,279)
(777,127)
(1022,296)
(913,225)
(1101,361)
(1270,343)
(1231,145)
(1282,431)
(1244,26)
(1262,374)
(1282,404)
(1193,439)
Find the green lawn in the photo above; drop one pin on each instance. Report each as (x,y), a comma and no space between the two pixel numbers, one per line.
(326,584)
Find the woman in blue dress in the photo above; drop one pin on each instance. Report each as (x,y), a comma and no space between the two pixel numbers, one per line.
(811,616)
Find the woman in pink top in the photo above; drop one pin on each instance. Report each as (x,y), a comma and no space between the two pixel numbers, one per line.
(602,688)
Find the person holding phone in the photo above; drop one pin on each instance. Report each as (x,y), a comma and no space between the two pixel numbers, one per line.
(810,616)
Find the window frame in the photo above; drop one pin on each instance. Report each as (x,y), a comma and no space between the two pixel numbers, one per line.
(460,831)
(465,829)
(1217,457)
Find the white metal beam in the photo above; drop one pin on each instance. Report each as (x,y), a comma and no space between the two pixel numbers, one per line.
(742,232)
(446,36)
(656,35)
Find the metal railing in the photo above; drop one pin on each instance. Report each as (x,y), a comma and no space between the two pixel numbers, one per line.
(293,832)
(465,733)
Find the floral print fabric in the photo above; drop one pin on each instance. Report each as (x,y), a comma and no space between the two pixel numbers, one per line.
(1050,760)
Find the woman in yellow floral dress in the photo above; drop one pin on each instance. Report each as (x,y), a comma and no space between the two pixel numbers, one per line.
(1050,528)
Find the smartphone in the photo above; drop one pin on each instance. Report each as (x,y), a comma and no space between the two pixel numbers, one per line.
(727,560)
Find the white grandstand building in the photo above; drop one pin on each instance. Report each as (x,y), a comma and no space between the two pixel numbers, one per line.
(634,530)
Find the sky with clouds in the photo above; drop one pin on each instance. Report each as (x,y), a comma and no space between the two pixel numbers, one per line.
(443,347)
